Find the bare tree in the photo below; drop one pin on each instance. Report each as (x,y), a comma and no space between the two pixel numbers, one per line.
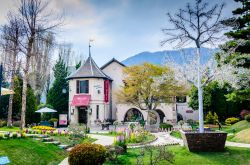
(11,35)
(40,63)
(35,21)
(199,25)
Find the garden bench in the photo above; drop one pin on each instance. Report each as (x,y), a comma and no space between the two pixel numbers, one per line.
(105,125)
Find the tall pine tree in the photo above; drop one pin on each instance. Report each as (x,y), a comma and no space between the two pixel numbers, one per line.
(240,57)
(240,24)
(56,96)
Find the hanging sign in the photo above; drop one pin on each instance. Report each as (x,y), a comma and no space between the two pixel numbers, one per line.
(106,91)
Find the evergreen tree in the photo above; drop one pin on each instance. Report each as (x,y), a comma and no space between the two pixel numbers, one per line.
(31,116)
(240,57)
(240,25)
(56,97)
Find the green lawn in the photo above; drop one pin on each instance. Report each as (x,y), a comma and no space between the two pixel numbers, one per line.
(9,129)
(105,134)
(176,134)
(238,132)
(232,156)
(30,152)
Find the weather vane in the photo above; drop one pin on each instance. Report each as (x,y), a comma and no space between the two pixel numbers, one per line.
(90,40)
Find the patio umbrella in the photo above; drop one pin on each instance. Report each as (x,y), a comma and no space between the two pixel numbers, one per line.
(5,91)
(46,110)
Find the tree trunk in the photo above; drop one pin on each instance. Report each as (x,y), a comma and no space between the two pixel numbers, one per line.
(9,123)
(24,92)
(200,98)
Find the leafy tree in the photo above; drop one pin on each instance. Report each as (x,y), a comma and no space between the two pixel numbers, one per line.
(56,97)
(148,85)
(215,100)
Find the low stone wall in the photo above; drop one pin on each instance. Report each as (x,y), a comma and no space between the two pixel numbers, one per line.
(204,142)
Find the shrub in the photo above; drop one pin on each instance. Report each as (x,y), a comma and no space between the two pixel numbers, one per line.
(191,122)
(77,131)
(243,113)
(87,153)
(247,117)
(14,135)
(2,136)
(166,126)
(158,155)
(46,128)
(52,120)
(3,123)
(17,123)
(211,118)
(231,120)
(113,152)
(132,126)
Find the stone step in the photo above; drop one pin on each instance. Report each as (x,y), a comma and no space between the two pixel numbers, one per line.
(53,142)
(63,146)
(37,135)
(69,149)
(48,139)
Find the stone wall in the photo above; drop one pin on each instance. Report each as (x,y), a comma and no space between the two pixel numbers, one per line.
(204,142)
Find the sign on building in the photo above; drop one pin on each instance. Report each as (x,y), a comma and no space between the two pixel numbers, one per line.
(63,119)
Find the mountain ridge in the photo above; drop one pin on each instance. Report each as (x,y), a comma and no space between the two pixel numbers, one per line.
(160,57)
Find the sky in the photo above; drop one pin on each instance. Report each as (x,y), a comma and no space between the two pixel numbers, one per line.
(120,28)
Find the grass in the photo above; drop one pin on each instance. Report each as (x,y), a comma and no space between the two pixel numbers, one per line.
(238,132)
(105,134)
(176,134)
(9,129)
(232,156)
(29,152)
(146,138)
(242,136)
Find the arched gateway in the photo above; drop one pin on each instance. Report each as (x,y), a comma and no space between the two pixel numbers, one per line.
(133,115)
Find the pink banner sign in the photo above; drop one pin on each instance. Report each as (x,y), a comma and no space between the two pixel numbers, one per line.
(106,91)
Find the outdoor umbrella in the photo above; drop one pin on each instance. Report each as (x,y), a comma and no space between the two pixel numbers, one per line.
(5,91)
(46,110)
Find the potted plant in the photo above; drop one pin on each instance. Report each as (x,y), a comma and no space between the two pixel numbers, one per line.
(54,121)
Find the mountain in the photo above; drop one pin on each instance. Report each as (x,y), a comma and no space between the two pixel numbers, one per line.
(177,56)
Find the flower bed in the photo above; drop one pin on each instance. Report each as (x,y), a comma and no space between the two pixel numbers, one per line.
(12,135)
(47,128)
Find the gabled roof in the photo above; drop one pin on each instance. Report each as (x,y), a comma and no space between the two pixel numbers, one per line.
(112,60)
(88,70)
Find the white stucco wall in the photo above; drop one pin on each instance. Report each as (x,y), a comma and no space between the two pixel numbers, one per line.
(115,71)
(167,109)
(95,84)
(182,108)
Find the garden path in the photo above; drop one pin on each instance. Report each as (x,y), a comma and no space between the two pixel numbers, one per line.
(234,144)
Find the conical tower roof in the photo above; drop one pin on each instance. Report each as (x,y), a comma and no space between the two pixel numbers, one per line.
(88,70)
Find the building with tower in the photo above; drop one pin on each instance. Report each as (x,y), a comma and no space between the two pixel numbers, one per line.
(92,97)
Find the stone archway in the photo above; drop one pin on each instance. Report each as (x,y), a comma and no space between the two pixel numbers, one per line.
(133,115)
(179,117)
(161,115)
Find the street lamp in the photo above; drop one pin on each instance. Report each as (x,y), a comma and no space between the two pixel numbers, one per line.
(64,91)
